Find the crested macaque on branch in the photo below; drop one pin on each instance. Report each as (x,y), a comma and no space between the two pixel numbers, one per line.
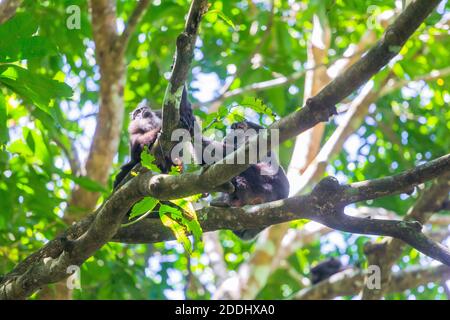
(263,181)
(144,129)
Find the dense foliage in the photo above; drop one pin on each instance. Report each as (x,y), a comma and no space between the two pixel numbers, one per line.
(49,84)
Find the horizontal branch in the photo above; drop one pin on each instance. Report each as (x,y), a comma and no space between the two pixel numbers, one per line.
(433,75)
(385,254)
(350,282)
(324,204)
(404,182)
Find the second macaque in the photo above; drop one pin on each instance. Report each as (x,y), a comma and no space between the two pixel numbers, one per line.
(253,186)
(262,182)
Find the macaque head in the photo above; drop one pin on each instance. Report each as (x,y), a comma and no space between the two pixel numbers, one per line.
(245,125)
(143,119)
(241,132)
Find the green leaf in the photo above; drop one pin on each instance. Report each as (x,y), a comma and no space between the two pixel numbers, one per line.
(175,171)
(170,217)
(37,46)
(258,106)
(37,89)
(19,42)
(86,183)
(3,125)
(236,115)
(222,16)
(21,148)
(27,48)
(21,25)
(148,160)
(145,205)
(172,211)
(192,221)
(196,230)
(223,111)
(29,139)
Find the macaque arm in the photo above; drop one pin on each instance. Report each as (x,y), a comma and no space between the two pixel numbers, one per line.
(145,139)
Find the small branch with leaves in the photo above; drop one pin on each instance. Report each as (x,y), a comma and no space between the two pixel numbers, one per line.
(133,21)
(185,50)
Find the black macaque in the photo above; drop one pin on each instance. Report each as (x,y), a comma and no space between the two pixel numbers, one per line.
(261,182)
(250,187)
(326,269)
(144,129)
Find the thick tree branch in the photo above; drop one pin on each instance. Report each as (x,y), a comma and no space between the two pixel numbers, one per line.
(8,9)
(386,253)
(325,205)
(394,38)
(110,116)
(403,182)
(348,282)
(322,106)
(172,187)
(183,58)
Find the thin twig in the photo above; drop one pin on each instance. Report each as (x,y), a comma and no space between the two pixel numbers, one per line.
(133,21)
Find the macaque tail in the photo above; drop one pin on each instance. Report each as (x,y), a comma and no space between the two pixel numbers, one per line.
(124,170)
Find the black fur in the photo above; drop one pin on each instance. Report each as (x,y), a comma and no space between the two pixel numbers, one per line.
(325,269)
(144,129)
(250,187)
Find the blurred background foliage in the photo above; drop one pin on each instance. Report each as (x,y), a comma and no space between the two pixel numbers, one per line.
(41,118)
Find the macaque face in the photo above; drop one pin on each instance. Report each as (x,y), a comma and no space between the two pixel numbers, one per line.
(144,119)
(241,132)
(245,125)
